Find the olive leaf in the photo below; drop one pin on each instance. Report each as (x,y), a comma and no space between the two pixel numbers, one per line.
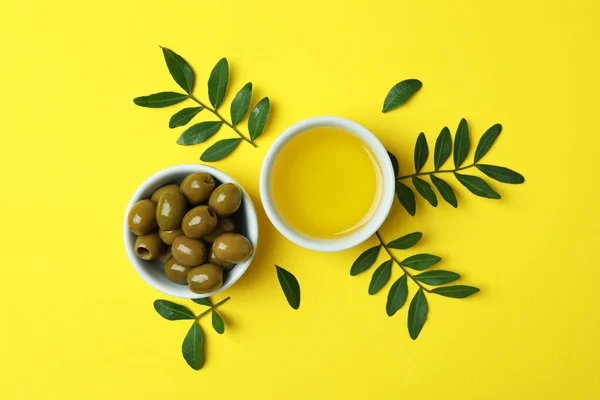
(501,174)
(380,277)
(477,186)
(172,311)
(192,347)
(258,118)
(425,190)
(241,103)
(420,262)
(290,286)
(421,152)
(394,161)
(217,322)
(445,190)
(220,150)
(406,198)
(437,277)
(457,291)
(159,100)
(443,148)
(461,143)
(199,133)
(486,141)
(217,82)
(396,296)
(365,260)
(180,70)
(184,116)
(400,93)
(406,241)
(205,301)
(417,314)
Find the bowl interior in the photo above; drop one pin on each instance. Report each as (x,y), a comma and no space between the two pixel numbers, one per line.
(152,271)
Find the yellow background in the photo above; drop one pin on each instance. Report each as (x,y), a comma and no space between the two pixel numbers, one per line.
(78,323)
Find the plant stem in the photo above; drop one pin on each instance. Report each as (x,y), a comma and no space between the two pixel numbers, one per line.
(212,308)
(398,262)
(441,171)
(216,113)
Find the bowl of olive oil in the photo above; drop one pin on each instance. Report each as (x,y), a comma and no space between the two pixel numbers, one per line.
(327,183)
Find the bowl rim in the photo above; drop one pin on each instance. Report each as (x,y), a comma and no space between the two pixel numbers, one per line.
(140,266)
(388,184)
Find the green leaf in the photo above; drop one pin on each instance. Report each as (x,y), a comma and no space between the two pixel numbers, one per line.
(457,291)
(394,161)
(290,286)
(205,301)
(365,260)
(192,347)
(417,314)
(217,83)
(420,261)
(258,118)
(159,100)
(184,116)
(241,103)
(172,311)
(487,140)
(421,152)
(461,143)
(180,70)
(438,277)
(501,174)
(220,150)
(400,94)
(477,186)
(199,133)
(406,241)
(443,148)
(396,296)
(406,197)
(445,190)
(217,322)
(425,190)
(380,277)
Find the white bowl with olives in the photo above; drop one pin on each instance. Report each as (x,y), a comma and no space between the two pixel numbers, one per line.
(190,231)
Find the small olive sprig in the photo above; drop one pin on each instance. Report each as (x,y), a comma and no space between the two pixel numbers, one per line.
(184,76)
(192,347)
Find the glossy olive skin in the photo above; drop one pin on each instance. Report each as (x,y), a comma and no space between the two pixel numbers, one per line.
(224,225)
(176,272)
(197,188)
(232,247)
(223,264)
(187,251)
(205,278)
(170,210)
(199,221)
(142,217)
(159,192)
(169,236)
(225,199)
(149,247)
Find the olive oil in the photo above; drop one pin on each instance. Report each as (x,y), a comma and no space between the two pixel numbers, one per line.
(326,183)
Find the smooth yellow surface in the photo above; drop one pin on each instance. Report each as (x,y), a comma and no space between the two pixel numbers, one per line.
(78,323)
(326,183)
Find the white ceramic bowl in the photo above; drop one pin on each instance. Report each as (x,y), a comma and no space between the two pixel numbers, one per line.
(152,271)
(388,185)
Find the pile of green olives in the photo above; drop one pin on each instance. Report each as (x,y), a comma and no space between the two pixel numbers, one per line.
(196,221)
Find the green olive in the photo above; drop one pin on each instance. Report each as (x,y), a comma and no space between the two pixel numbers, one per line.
(199,221)
(205,278)
(170,210)
(149,247)
(159,192)
(224,225)
(197,188)
(232,247)
(188,251)
(225,199)
(169,236)
(223,264)
(142,217)
(176,272)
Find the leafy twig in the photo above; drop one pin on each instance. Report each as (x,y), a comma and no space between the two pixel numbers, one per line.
(441,171)
(212,308)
